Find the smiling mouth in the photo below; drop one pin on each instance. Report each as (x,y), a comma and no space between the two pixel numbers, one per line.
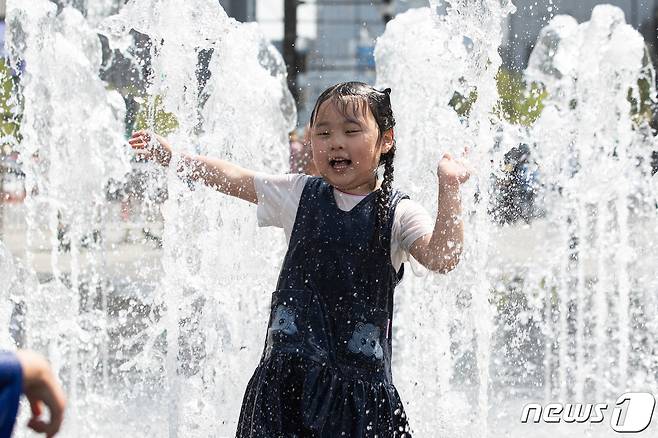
(340,163)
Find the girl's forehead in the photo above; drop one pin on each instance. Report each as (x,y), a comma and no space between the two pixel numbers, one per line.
(344,109)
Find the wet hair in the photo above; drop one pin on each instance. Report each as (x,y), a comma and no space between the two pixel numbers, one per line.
(351,97)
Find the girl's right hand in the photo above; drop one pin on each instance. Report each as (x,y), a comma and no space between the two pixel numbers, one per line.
(151,146)
(453,172)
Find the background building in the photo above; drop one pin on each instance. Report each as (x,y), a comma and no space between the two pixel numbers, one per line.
(344,47)
(345,34)
(532,15)
(241,10)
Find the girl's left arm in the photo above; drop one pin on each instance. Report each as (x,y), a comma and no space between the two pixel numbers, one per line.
(441,250)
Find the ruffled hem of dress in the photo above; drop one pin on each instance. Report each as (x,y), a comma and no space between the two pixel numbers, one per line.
(292,396)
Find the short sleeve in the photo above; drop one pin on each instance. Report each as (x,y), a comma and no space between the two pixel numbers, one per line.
(278,199)
(415,222)
(411,221)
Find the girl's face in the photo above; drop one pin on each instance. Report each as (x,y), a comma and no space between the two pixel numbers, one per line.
(346,147)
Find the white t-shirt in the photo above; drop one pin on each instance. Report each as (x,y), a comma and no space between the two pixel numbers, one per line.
(279,196)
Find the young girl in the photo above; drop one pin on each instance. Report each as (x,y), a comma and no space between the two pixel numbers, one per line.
(326,367)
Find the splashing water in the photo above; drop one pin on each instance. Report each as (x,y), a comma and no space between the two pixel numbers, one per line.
(595,193)
(426,58)
(177,363)
(71,146)
(242,120)
(161,341)
(604,211)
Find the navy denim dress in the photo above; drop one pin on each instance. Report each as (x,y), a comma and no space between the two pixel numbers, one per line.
(326,366)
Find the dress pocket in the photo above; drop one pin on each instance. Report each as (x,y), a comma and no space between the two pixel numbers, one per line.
(363,337)
(288,317)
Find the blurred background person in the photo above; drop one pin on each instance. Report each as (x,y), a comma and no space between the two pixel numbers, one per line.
(301,156)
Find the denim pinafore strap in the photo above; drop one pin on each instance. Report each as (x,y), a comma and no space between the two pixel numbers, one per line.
(328,345)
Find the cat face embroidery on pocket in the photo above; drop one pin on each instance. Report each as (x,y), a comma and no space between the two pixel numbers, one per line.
(284,320)
(365,340)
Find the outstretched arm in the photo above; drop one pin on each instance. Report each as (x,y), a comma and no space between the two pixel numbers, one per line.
(441,250)
(220,175)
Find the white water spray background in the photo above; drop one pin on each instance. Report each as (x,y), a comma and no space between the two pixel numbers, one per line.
(71,146)
(217,301)
(597,296)
(605,209)
(425,57)
(185,374)
(590,305)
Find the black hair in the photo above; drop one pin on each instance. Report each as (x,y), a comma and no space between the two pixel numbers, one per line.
(379,103)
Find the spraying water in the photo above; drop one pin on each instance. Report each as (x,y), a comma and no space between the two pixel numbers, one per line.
(179,352)
(162,342)
(585,290)
(71,146)
(243,114)
(599,79)
(425,53)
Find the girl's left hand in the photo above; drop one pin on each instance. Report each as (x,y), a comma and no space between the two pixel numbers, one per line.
(452,171)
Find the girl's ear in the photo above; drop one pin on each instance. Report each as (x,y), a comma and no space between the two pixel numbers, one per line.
(388,140)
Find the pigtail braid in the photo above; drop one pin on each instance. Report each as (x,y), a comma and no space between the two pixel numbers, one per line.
(383,200)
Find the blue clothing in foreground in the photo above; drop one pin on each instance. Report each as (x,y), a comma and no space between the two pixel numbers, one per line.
(11,384)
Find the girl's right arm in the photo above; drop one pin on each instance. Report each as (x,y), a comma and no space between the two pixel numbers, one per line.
(220,175)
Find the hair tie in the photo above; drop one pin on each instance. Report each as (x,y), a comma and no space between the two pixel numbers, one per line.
(387,91)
